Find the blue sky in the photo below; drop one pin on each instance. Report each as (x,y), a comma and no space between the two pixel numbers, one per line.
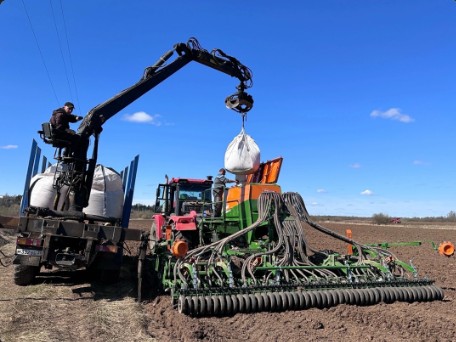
(357,96)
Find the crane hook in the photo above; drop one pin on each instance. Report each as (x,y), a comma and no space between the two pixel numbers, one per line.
(240,102)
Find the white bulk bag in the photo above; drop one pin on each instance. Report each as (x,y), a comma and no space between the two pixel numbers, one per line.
(106,197)
(42,192)
(242,157)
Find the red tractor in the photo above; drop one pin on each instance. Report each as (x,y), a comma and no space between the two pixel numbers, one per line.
(179,202)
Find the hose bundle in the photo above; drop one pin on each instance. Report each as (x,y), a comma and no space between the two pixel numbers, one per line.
(287,256)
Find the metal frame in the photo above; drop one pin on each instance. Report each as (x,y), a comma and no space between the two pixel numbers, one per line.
(38,163)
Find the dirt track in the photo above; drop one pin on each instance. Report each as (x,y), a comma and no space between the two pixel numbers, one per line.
(66,307)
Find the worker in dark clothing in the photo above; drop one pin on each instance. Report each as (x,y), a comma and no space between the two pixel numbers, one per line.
(218,190)
(60,121)
(75,150)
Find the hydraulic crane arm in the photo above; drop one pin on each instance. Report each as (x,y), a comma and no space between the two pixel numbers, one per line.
(80,175)
(161,70)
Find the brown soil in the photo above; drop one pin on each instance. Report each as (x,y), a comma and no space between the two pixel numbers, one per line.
(66,307)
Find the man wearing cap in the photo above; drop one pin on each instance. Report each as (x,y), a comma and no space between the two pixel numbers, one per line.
(60,121)
(61,118)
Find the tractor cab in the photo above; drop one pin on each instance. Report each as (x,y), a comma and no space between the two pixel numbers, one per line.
(180,196)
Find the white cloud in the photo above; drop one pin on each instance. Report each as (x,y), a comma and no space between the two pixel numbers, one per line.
(355,165)
(367,192)
(392,114)
(321,191)
(8,147)
(143,117)
(419,162)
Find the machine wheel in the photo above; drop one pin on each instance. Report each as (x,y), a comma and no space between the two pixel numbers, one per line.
(313,299)
(241,303)
(285,301)
(153,237)
(332,295)
(429,294)
(248,304)
(235,307)
(195,306)
(320,299)
(183,304)
(272,301)
(279,303)
(266,302)
(340,296)
(209,305)
(25,275)
(202,305)
(295,300)
(305,301)
(229,305)
(260,303)
(222,308)
(329,299)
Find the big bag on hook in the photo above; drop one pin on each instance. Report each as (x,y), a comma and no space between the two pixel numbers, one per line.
(242,157)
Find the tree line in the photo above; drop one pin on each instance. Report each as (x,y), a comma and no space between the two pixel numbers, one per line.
(9,201)
(14,201)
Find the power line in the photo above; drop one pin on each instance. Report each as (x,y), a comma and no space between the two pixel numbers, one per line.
(41,53)
(60,47)
(69,53)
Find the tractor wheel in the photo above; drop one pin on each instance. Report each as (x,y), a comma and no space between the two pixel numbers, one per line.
(25,275)
(153,237)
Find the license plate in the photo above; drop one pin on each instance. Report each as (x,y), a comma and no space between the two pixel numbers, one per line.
(33,252)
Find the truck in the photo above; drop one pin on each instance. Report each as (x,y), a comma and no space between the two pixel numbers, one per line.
(68,238)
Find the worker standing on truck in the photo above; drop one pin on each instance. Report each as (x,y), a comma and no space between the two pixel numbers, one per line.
(218,190)
(60,121)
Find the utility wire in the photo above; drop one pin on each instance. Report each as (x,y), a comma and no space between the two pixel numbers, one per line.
(69,54)
(60,47)
(41,53)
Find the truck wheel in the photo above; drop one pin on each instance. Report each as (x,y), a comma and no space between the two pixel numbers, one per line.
(25,275)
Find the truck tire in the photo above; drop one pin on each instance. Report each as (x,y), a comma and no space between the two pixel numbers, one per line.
(25,275)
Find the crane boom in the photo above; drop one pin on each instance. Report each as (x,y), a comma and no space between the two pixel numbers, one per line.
(81,173)
(160,71)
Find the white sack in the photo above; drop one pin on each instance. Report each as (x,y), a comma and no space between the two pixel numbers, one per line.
(106,197)
(242,157)
(42,191)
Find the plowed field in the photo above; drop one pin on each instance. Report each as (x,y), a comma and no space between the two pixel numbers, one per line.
(64,306)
